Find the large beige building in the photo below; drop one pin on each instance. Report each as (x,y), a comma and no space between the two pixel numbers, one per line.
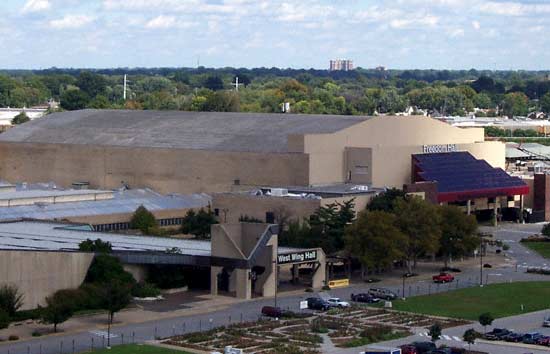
(190,152)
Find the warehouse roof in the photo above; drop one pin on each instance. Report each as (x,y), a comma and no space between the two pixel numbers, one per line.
(254,132)
(123,201)
(49,236)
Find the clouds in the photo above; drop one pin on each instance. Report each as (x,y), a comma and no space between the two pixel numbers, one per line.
(71,21)
(36,6)
(296,33)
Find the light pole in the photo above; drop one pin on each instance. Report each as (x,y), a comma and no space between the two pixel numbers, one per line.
(404,276)
(481,261)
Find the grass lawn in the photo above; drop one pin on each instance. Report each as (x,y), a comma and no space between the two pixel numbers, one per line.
(137,349)
(501,300)
(542,248)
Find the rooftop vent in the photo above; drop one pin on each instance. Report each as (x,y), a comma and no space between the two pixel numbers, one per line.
(279,192)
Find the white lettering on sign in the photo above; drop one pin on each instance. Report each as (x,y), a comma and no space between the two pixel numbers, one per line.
(434,149)
(297,257)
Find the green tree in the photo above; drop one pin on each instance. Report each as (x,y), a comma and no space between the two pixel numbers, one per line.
(198,223)
(90,83)
(99,102)
(545,103)
(116,296)
(59,308)
(486,319)
(97,246)
(546,230)
(20,118)
(213,83)
(328,224)
(4,319)
(470,336)
(375,240)
(11,299)
(483,101)
(419,221)
(105,269)
(386,201)
(435,332)
(143,220)
(74,99)
(458,233)
(515,104)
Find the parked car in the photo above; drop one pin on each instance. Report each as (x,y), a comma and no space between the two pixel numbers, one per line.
(315,303)
(271,311)
(544,340)
(424,347)
(513,337)
(531,337)
(408,349)
(365,298)
(337,302)
(383,293)
(443,278)
(496,334)
(441,351)
(546,322)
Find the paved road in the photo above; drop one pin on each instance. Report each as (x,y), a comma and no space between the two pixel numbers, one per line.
(247,311)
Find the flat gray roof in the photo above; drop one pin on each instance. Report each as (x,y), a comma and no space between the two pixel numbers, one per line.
(49,236)
(44,236)
(247,132)
(123,201)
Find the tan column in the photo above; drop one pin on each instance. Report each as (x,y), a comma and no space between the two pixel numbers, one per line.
(521,208)
(469,207)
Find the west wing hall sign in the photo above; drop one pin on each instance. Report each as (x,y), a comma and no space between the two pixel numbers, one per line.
(434,149)
(297,257)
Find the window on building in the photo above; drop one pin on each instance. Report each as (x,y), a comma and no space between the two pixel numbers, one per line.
(269,217)
(217,212)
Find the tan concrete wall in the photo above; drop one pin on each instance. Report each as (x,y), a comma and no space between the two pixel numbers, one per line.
(125,217)
(233,206)
(392,165)
(40,274)
(399,134)
(165,170)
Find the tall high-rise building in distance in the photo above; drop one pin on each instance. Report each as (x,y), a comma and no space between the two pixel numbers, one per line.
(341,65)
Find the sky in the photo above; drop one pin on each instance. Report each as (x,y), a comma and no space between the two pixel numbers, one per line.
(398,34)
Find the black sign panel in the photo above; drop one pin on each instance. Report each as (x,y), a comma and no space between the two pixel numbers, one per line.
(297,257)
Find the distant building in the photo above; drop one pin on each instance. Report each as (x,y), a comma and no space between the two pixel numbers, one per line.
(341,65)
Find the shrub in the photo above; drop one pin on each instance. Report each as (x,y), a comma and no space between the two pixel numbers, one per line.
(506,247)
(325,287)
(4,319)
(11,299)
(546,230)
(144,289)
(13,337)
(25,315)
(35,333)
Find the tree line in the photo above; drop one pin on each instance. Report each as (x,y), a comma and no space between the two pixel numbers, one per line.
(264,90)
(394,228)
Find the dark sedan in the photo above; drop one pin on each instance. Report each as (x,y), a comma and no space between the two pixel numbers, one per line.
(365,298)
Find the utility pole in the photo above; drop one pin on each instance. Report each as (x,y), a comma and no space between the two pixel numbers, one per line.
(236,83)
(124,91)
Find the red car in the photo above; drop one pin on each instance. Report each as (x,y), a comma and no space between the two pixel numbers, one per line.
(408,349)
(443,278)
